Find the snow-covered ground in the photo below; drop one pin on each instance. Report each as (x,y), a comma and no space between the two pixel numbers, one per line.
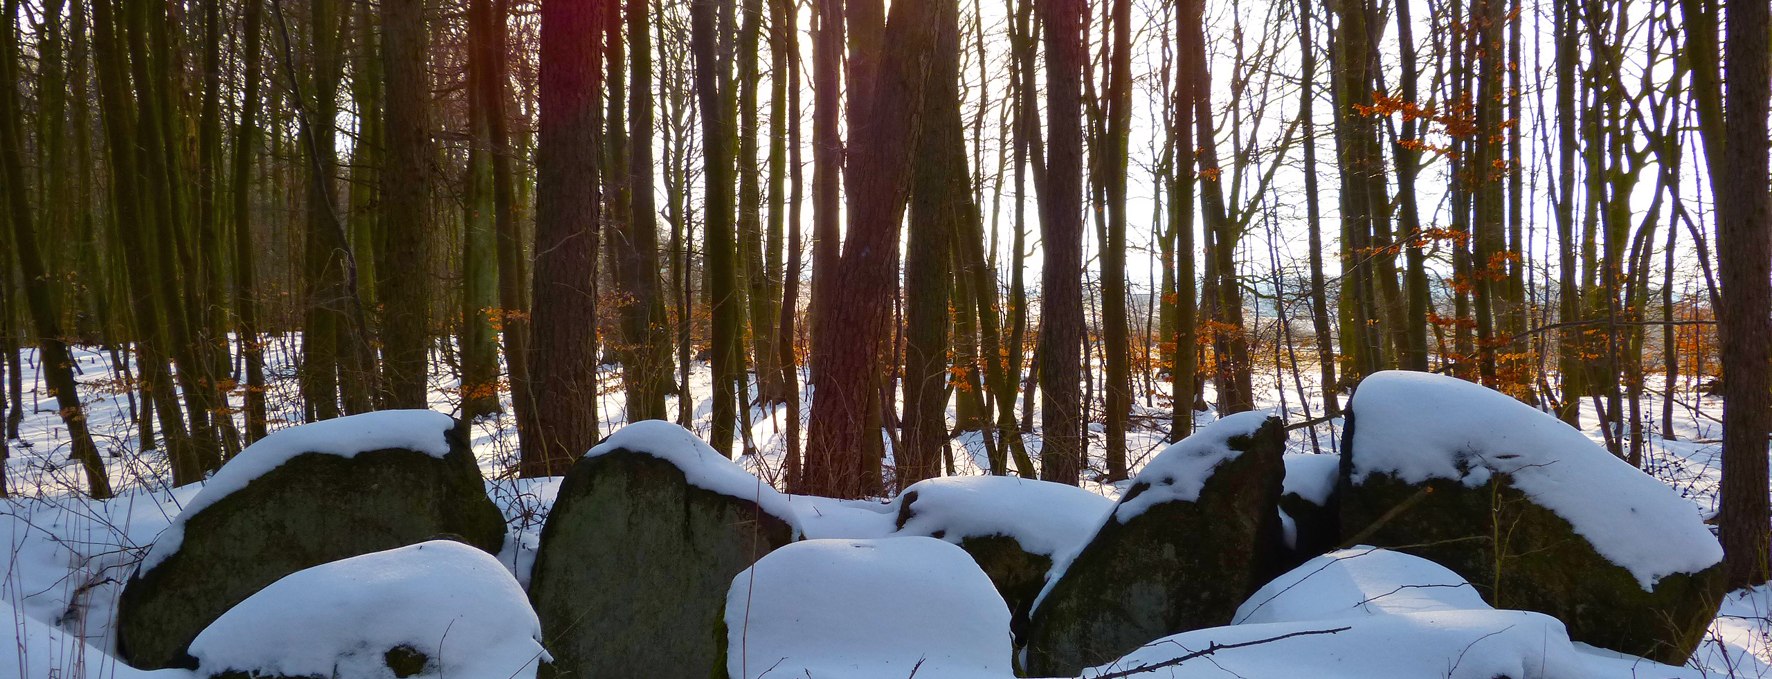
(68,555)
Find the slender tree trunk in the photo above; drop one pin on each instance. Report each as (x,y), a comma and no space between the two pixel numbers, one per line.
(1406,155)
(787,21)
(759,306)
(723,292)
(246,301)
(513,263)
(1313,215)
(1568,290)
(1115,332)
(827,148)
(1185,374)
(646,354)
(479,256)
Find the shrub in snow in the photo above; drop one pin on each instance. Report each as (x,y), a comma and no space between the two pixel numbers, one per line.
(1013,527)
(866,609)
(1530,511)
(431,610)
(1309,502)
(637,554)
(1191,537)
(301,497)
(36,650)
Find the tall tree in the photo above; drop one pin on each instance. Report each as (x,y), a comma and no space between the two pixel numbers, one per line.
(719,246)
(57,361)
(479,255)
(1061,227)
(336,363)
(853,328)
(246,302)
(645,335)
(406,188)
(513,263)
(1184,375)
(1313,215)
(567,209)
(1744,245)
(941,201)
(1115,331)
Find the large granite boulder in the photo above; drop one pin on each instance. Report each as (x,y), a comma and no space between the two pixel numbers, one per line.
(639,550)
(885,608)
(431,610)
(1195,533)
(299,498)
(1013,527)
(1530,511)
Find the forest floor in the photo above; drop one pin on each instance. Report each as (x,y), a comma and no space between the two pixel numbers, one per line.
(69,555)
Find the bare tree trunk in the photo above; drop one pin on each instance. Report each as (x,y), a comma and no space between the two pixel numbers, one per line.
(246,302)
(646,355)
(1313,211)
(57,362)
(568,208)
(406,189)
(1061,227)
(1118,388)
(851,331)
(1744,246)
(723,292)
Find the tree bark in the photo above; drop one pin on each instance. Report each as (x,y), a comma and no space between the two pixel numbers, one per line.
(406,182)
(568,207)
(1061,227)
(853,327)
(1744,246)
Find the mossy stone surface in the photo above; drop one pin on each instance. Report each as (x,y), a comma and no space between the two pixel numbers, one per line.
(1176,567)
(315,508)
(1522,556)
(631,576)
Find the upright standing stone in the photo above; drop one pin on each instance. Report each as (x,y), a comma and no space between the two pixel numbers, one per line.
(1192,537)
(639,550)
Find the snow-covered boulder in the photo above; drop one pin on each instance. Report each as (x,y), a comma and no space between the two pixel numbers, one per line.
(1369,613)
(1457,644)
(1356,582)
(631,575)
(431,610)
(1013,527)
(1533,513)
(1308,499)
(866,609)
(1192,536)
(298,498)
